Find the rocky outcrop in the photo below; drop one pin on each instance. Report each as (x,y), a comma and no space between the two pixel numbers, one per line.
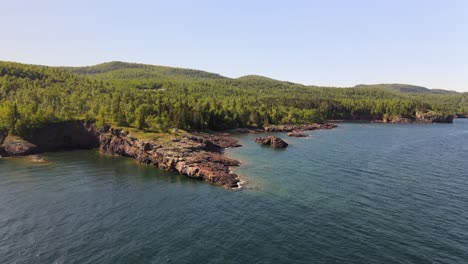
(273,141)
(433,117)
(193,156)
(15,146)
(291,128)
(420,117)
(197,156)
(297,133)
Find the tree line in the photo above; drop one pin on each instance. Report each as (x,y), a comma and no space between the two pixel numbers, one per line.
(156,99)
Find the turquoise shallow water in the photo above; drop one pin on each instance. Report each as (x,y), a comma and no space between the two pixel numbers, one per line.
(361,193)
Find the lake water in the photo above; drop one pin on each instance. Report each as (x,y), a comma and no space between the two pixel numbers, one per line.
(360,193)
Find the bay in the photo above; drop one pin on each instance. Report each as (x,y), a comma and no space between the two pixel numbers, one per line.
(360,193)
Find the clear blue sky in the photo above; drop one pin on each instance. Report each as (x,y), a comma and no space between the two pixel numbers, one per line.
(326,42)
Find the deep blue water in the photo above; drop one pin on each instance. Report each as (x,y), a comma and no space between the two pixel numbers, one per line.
(361,193)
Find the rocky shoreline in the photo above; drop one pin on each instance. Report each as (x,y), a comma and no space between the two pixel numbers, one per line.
(420,117)
(292,128)
(196,155)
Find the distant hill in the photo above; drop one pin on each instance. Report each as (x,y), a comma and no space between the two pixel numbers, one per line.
(137,71)
(125,70)
(405,88)
(263,79)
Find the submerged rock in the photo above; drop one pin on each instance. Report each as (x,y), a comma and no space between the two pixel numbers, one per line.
(37,159)
(297,133)
(273,141)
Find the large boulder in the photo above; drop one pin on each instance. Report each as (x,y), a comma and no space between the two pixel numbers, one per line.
(15,146)
(273,141)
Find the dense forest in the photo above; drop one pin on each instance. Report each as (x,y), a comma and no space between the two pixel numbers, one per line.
(156,98)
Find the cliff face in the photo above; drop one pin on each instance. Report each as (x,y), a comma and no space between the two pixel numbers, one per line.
(67,135)
(53,137)
(433,117)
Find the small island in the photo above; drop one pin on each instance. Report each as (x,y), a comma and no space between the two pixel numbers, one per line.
(274,142)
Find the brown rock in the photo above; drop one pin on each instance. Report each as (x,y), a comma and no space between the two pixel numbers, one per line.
(194,156)
(433,117)
(199,157)
(273,141)
(15,146)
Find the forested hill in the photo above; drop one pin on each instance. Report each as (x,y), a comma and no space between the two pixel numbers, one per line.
(157,98)
(405,88)
(125,70)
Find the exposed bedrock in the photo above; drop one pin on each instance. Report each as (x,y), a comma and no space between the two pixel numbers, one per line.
(193,156)
(273,141)
(65,136)
(199,157)
(420,117)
